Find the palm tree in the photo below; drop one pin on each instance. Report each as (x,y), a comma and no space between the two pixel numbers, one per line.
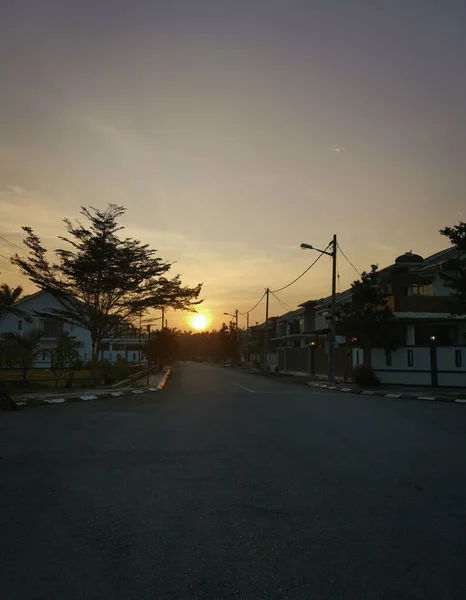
(21,349)
(163,346)
(8,298)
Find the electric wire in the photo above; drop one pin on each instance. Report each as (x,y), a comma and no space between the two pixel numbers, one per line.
(255,305)
(283,304)
(358,272)
(303,273)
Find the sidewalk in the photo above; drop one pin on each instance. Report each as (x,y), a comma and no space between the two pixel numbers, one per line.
(441,394)
(155,384)
(438,394)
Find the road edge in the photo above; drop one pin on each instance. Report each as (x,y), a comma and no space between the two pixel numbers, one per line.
(97,396)
(347,390)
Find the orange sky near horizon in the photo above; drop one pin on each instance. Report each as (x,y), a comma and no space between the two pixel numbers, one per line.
(234,131)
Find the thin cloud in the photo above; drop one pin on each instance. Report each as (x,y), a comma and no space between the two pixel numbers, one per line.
(336,148)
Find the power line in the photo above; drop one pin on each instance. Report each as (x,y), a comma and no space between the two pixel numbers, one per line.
(302,274)
(255,305)
(11,243)
(283,304)
(358,272)
(5,257)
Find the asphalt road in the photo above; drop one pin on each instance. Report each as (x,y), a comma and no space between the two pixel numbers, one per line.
(233,486)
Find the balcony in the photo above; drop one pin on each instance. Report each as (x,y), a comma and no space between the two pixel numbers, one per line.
(419,304)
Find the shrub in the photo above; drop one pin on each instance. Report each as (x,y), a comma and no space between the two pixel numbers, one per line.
(111,373)
(364,375)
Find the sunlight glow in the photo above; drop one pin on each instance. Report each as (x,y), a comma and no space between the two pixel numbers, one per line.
(199,322)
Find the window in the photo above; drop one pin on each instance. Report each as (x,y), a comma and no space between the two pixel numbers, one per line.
(357,357)
(110,356)
(134,356)
(53,328)
(44,356)
(71,327)
(388,358)
(85,356)
(410,358)
(423,289)
(458,358)
(20,325)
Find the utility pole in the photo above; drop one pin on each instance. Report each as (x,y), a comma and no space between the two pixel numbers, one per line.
(163,317)
(236,322)
(331,345)
(148,350)
(140,335)
(331,350)
(266,332)
(247,338)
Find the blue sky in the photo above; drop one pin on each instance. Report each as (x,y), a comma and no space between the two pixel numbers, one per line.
(233,131)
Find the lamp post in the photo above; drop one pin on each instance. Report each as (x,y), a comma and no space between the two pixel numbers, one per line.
(333,254)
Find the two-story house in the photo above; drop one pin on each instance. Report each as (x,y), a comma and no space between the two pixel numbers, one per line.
(422,306)
(126,342)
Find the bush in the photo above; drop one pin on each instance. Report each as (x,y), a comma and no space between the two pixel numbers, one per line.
(364,375)
(111,373)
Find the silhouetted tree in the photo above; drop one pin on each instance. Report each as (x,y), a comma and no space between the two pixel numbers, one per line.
(162,347)
(367,317)
(454,271)
(102,280)
(64,355)
(21,349)
(8,298)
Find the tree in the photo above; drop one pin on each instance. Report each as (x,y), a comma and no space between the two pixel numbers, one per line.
(367,317)
(64,355)
(101,280)
(8,298)
(454,271)
(21,349)
(162,346)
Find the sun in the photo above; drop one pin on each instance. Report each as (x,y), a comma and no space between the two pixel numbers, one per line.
(199,322)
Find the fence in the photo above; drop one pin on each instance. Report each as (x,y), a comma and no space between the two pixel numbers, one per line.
(421,365)
(314,361)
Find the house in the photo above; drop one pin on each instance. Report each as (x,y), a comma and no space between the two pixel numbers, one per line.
(431,341)
(126,342)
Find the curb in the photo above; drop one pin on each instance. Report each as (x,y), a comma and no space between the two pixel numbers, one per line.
(97,396)
(347,390)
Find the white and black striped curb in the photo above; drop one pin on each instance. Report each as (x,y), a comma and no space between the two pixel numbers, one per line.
(338,388)
(97,396)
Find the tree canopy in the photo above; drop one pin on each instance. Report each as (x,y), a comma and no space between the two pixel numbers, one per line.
(101,279)
(8,298)
(454,271)
(367,317)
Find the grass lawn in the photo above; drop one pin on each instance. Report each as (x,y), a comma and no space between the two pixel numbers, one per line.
(41,378)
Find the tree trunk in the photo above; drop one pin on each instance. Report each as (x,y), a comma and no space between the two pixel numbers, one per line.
(94,361)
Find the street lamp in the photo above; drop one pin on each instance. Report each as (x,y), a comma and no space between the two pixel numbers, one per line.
(333,254)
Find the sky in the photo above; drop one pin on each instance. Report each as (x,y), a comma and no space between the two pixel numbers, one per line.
(234,130)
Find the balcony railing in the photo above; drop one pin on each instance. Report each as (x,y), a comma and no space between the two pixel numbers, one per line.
(419,304)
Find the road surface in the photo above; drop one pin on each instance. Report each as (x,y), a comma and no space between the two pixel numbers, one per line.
(233,486)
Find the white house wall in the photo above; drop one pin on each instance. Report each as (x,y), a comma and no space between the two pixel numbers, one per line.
(420,372)
(39,303)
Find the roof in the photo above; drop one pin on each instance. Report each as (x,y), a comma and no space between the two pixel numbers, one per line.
(423,268)
(292,314)
(30,296)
